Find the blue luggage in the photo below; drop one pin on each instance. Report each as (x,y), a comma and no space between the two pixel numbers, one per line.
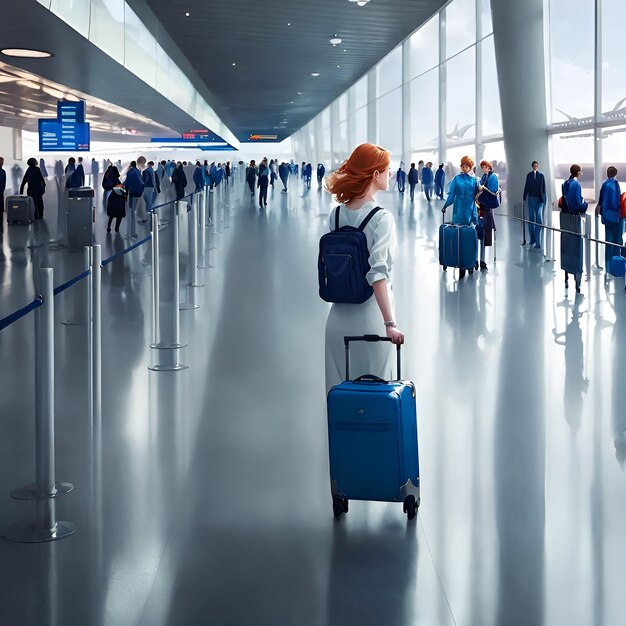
(617,266)
(372,438)
(458,247)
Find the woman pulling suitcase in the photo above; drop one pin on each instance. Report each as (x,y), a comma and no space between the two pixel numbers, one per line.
(354,185)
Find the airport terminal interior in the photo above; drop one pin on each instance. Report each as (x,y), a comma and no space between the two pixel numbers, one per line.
(164,418)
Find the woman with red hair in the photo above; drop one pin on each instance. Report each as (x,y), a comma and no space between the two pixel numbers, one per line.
(488,199)
(462,195)
(354,185)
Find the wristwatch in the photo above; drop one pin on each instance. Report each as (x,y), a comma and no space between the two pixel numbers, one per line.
(390,323)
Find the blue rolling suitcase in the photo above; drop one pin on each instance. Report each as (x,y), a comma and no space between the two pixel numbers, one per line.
(372,438)
(458,247)
(617,266)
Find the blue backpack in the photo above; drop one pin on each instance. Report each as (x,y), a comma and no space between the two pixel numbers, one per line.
(611,201)
(343,263)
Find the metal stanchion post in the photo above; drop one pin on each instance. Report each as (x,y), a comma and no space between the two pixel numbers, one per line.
(45,489)
(548,235)
(597,267)
(81,300)
(96,313)
(202,222)
(192,271)
(588,245)
(212,220)
(156,272)
(169,333)
(523,223)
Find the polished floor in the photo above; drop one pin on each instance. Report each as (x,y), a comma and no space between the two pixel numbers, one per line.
(204,496)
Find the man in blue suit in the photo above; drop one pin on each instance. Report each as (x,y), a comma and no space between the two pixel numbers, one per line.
(535,198)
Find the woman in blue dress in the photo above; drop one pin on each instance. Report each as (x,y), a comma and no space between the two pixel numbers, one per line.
(462,196)
(488,199)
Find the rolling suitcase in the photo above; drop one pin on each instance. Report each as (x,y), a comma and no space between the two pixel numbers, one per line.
(20,209)
(458,247)
(372,439)
(617,266)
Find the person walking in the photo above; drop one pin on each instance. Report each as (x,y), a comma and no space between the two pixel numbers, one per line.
(535,198)
(354,185)
(151,187)
(116,206)
(609,208)
(273,175)
(428,180)
(179,180)
(263,182)
(283,173)
(43,168)
(321,171)
(420,167)
(413,177)
(110,180)
(134,188)
(251,173)
(488,199)
(308,175)
(3,186)
(440,181)
(401,178)
(303,170)
(95,171)
(227,172)
(72,178)
(198,177)
(80,172)
(36,186)
(462,196)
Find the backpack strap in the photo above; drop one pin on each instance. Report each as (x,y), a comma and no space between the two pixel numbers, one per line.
(366,221)
(337,217)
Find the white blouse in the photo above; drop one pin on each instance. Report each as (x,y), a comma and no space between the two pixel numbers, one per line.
(380,233)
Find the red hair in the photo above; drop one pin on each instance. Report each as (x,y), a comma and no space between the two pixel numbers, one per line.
(483,163)
(353,178)
(467,161)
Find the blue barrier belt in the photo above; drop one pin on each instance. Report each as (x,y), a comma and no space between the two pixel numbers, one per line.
(19,314)
(69,283)
(126,250)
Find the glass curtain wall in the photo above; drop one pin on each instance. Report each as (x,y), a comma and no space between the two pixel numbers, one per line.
(450,84)
(587,83)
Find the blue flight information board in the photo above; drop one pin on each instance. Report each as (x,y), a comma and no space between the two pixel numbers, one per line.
(71,111)
(56,136)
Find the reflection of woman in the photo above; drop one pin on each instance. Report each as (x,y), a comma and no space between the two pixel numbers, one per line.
(354,185)
(36,186)
(488,199)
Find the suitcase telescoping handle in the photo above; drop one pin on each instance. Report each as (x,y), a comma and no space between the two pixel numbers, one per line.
(371,339)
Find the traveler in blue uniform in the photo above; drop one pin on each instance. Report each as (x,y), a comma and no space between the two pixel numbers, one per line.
(283,173)
(227,172)
(134,188)
(303,170)
(354,185)
(160,170)
(80,172)
(413,178)
(251,176)
(462,196)
(428,180)
(95,170)
(263,182)
(110,180)
(535,198)
(401,178)
(572,192)
(609,208)
(179,180)
(440,181)
(43,168)
(3,186)
(213,175)
(273,175)
(170,167)
(36,186)
(151,186)
(72,178)
(321,171)
(308,174)
(198,177)
(488,199)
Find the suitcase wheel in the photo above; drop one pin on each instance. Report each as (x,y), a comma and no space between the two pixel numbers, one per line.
(445,267)
(471,271)
(410,506)
(340,506)
(476,266)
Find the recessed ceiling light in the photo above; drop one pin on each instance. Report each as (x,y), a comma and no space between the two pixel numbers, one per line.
(339,66)
(187,14)
(290,101)
(234,64)
(299,93)
(315,74)
(26,53)
(345,51)
(335,41)
(288,23)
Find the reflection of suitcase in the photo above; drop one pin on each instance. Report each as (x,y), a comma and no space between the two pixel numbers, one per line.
(572,245)
(20,209)
(372,438)
(458,247)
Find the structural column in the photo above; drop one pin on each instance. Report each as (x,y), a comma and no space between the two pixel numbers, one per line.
(518,26)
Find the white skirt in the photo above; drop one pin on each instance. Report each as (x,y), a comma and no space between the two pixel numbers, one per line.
(365,358)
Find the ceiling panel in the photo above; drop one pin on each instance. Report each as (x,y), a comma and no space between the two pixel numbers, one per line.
(274,61)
